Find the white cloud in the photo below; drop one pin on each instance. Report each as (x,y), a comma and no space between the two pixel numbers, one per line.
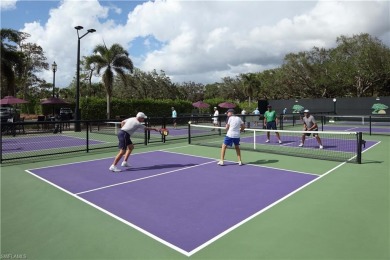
(205,41)
(7,4)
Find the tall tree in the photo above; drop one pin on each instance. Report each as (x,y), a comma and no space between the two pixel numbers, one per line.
(361,64)
(251,84)
(34,61)
(11,59)
(113,60)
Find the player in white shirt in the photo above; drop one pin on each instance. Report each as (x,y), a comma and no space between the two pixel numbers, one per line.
(128,127)
(234,127)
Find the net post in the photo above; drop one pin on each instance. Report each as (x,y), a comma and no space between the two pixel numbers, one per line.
(254,140)
(147,124)
(370,124)
(359,148)
(87,136)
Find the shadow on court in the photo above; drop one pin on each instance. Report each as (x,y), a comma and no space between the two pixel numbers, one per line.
(159,167)
(371,161)
(264,161)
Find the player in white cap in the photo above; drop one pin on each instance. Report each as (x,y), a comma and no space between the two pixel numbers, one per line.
(126,146)
(309,124)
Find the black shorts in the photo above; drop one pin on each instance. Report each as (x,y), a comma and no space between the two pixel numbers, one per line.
(124,140)
(314,134)
(272,125)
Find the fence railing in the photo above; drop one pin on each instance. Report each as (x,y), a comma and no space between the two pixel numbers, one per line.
(39,139)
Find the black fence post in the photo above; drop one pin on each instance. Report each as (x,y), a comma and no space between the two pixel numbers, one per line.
(87,136)
(359,148)
(189,133)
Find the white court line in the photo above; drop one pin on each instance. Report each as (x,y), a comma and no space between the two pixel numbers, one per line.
(114,216)
(255,165)
(144,178)
(261,211)
(188,254)
(92,160)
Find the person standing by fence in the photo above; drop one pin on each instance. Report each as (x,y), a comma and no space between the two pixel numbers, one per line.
(270,122)
(215,118)
(174,117)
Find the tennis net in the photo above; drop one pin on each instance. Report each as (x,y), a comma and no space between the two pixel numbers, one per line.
(337,146)
(366,124)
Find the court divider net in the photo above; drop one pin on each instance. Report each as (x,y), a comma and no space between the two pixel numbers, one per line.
(337,146)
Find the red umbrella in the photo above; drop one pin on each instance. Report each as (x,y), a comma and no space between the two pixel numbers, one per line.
(227,105)
(10,100)
(200,104)
(54,101)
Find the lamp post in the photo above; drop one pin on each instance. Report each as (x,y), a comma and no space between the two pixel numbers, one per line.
(77,109)
(334,106)
(54,68)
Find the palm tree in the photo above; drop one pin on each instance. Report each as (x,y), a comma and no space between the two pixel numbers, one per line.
(115,60)
(251,83)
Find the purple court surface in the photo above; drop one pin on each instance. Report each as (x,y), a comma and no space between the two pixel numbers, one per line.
(183,201)
(36,143)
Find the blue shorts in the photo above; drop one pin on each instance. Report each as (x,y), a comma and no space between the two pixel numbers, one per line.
(124,140)
(271,125)
(230,141)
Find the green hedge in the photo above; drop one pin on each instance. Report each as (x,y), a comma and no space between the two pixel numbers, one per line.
(92,108)
(96,108)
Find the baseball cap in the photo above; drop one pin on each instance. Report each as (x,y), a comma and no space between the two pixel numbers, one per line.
(215,107)
(141,115)
(306,111)
(230,110)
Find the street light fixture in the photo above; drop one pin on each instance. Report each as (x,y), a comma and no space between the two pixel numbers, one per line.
(334,106)
(77,109)
(54,68)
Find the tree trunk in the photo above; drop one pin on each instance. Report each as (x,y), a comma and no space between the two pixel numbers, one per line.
(108,106)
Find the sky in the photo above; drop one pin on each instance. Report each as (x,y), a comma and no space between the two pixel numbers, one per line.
(197,41)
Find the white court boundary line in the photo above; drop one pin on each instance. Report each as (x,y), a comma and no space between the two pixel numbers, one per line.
(113,215)
(188,254)
(255,165)
(144,178)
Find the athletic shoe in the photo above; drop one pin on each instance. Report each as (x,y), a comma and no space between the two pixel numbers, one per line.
(239,163)
(220,163)
(300,145)
(321,147)
(124,164)
(280,141)
(114,169)
(267,141)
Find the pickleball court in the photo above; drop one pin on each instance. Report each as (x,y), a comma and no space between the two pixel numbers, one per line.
(183,201)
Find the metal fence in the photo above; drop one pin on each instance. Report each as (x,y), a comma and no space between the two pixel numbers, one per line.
(27,140)
(30,140)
